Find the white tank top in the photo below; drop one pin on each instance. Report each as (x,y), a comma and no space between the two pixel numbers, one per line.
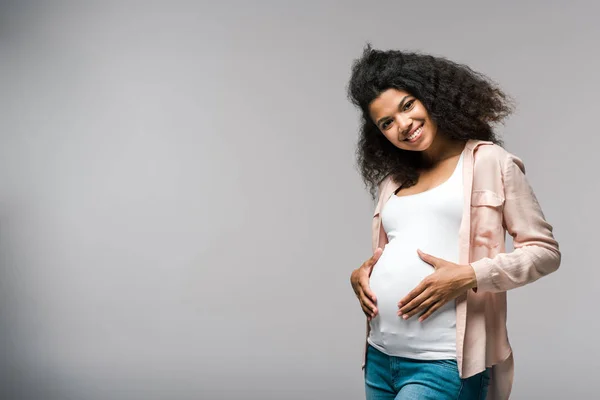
(429,221)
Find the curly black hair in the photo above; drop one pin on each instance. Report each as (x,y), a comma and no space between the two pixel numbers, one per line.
(464,104)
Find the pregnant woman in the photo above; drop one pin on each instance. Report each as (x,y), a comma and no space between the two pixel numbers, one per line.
(434,291)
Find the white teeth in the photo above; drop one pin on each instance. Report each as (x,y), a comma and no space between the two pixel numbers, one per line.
(415,134)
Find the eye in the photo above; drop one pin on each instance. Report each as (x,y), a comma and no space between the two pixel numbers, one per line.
(385,124)
(408,105)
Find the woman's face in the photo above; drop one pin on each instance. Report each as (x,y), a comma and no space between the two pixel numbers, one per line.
(403,120)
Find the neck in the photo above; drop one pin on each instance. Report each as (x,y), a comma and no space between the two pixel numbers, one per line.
(442,148)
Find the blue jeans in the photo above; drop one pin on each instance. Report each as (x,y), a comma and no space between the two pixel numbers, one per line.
(399,378)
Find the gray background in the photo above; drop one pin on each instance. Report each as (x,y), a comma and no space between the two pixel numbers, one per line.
(179,206)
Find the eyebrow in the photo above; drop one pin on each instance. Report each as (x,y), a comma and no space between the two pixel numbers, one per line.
(401,104)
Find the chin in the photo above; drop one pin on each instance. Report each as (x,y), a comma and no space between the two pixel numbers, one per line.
(423,144)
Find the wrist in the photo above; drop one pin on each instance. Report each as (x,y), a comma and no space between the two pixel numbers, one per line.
(470,278)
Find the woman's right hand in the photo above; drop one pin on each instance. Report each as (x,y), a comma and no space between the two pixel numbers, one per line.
(360,283)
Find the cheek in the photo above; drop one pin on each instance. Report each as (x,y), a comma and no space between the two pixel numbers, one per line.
(393,139)
(390,136)
(432,126)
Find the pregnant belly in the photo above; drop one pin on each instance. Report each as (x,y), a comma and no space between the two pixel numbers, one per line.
(397,272)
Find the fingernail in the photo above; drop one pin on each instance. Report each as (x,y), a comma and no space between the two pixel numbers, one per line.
(405,316)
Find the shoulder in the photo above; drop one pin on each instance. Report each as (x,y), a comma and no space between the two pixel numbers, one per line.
(488,151)
(493,156)
(383,184)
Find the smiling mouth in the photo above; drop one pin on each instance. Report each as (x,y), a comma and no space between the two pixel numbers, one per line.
(416,134)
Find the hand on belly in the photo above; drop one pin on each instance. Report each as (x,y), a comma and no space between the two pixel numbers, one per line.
(447,282)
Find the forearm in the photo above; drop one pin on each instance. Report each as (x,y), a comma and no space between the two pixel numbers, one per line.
(508,271)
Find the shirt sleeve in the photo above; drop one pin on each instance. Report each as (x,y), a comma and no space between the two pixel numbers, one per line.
(536,252)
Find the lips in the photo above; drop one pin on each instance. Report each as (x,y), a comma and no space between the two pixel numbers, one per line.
(415,134)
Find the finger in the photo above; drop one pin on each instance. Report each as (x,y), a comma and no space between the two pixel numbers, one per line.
(428,258)
(366,302)
(420,309)
(412,294)
(418,304)
(373,260)
(367,307)
(366,310)
(431,310)
(364,285)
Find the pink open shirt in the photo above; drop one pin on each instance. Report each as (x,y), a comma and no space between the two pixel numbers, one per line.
(498,198)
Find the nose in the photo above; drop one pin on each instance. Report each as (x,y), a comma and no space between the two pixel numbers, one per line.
(403,122)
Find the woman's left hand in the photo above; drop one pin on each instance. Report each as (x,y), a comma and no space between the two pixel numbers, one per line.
(449,281)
